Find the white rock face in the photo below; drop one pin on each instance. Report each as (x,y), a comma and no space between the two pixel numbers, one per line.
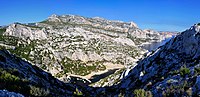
(94,56)
(25,32)
(154,34)
(54,18)
(125,41)
(132,24)
(80,55)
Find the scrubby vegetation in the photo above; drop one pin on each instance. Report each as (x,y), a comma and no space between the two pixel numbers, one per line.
(80,68)
(183,88)
(142,93)
(11,82)
(8,40)
(184,71)
(78,93)
(23,49)
(2,30)
(37,91)
(197,70)
(139,93)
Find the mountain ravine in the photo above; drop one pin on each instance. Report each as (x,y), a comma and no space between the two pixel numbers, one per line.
(77,49)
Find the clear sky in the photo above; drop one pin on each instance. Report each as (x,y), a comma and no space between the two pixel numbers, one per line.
(163,15)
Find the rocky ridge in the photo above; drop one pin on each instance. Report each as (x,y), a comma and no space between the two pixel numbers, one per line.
(70,45)
(172,70)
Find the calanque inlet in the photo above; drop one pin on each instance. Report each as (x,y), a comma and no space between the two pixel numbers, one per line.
(71,55)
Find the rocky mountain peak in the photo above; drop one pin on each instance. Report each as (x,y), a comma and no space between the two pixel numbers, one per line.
(95,21)
(197,27)
(132,24)
(54,18)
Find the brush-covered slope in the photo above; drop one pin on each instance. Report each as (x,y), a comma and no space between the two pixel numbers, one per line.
(17,75)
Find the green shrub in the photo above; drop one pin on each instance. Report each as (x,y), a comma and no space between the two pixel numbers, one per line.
(2,31)
(78,93)
(183,88)
(36,91)
(142,93)
(7,77)
(79,68)
(139,93)
(12,82)
(198,24)
(175,72)
(197,70)
(149,94)
(184,71)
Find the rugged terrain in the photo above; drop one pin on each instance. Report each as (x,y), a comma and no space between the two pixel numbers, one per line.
(19,76)
(71,47)
(171,70)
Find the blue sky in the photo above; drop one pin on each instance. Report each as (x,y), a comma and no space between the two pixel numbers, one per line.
(163,15)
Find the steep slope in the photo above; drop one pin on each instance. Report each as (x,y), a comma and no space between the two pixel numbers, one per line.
(77,46)
(172,70)
(17,75)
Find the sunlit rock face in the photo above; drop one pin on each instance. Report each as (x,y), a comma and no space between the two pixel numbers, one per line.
(22,31)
